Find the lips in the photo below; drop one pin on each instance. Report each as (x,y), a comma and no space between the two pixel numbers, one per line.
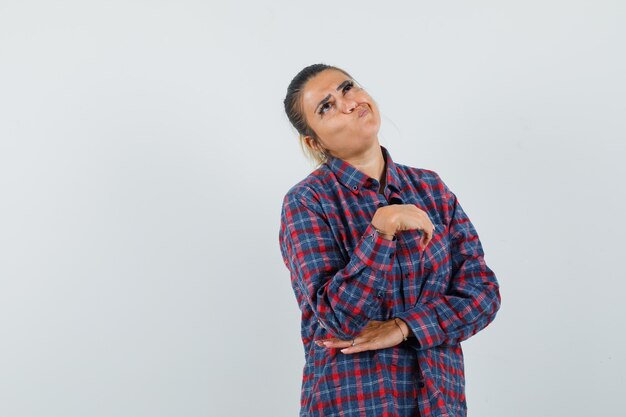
(363,112)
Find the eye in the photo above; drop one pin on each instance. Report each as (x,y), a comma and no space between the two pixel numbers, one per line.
(323,107)
(327,105)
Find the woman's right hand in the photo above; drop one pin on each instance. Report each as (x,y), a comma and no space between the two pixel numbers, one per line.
(398,217)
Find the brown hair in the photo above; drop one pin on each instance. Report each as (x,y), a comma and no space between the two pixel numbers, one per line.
(295,113)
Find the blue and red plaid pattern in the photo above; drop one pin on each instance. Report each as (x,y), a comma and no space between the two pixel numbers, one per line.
(344,274)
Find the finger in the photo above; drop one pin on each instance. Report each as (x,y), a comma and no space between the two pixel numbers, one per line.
(427,236)
(424,240)
(357,348)
(337,343)
(320,342)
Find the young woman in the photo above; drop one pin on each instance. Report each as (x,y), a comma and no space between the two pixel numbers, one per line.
(387,268)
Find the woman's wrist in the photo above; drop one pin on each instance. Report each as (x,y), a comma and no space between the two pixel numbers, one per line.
(406,330)
(383,230)
(385,235)
(384,224)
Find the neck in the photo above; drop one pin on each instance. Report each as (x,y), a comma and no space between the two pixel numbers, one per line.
(371,163)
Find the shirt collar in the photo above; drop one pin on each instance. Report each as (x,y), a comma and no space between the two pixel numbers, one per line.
(354,179)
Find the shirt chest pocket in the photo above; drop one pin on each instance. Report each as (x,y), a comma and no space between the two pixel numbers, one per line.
(436,260)
(437,253)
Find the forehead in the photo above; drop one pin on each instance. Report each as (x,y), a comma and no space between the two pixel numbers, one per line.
(320,86)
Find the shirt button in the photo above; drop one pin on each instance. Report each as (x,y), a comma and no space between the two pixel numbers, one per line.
(421,384)
(354,187)
(380,294)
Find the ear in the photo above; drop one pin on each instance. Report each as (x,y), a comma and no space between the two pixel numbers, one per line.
(311,143)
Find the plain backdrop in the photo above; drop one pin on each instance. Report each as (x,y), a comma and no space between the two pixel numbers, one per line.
(144,155)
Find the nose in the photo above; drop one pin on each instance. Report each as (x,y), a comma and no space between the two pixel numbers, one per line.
(349,105)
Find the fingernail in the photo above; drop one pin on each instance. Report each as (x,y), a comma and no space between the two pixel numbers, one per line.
(344,350)
(318,343)
(326,342)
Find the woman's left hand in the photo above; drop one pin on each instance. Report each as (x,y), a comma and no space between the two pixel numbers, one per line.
(375,335)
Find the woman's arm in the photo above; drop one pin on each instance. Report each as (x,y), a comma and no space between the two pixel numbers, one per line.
(343,296)
(473,296)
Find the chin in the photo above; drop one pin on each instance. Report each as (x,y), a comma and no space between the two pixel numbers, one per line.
(372,134)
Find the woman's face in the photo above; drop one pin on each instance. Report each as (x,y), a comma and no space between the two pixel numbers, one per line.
(342,114)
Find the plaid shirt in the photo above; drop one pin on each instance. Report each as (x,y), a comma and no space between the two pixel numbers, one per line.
(344,274)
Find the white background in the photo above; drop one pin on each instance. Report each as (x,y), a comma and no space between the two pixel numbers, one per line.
(144,154)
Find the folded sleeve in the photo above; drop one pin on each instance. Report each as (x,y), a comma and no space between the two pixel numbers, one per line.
(342,292)
(472,298)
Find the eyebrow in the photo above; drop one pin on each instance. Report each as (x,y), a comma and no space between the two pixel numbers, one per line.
(325,100)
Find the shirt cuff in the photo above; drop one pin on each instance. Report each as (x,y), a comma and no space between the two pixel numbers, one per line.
(423,322)
(375,251)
